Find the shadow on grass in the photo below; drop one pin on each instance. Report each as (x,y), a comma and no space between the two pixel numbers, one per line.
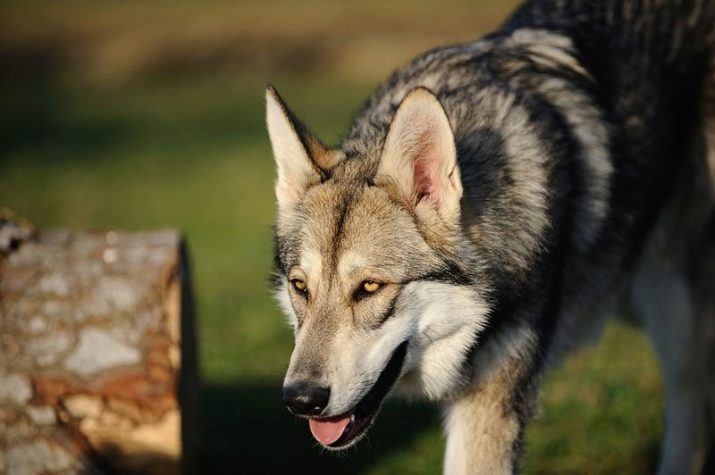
(246,429)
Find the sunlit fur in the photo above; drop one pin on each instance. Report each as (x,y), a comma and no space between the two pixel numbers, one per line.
(508,194)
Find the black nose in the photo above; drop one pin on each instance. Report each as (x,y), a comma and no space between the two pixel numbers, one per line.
(305,399)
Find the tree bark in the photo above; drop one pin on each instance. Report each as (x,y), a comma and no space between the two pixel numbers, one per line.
(97,353)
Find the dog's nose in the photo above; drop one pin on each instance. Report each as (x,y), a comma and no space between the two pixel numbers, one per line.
(305,399)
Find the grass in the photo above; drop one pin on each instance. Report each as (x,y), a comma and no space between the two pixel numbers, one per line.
(114,138)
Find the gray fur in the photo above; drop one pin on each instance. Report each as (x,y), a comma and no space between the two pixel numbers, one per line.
(585,141)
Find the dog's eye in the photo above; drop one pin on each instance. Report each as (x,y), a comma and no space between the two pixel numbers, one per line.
(367,288)
(370,286)
(299,285)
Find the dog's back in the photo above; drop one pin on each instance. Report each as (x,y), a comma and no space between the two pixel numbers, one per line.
(624,81)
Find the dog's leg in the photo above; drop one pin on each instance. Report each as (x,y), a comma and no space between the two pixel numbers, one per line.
(482,434)
(663,299)
(673,293)
(485,424)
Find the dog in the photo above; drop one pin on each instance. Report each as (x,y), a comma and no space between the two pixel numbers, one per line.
(491,205)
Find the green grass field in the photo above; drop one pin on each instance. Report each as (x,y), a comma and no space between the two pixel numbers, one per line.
(149,116)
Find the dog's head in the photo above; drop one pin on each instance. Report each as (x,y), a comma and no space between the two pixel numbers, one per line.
(371,267)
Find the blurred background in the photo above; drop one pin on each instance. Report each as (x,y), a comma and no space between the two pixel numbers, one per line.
(145,115)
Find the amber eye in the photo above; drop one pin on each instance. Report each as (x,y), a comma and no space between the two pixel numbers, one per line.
(370,286)
(366,289)
(299,285)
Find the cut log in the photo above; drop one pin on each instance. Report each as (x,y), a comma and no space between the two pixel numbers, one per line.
(97,353)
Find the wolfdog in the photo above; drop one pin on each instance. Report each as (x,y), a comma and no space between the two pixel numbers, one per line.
(490,205)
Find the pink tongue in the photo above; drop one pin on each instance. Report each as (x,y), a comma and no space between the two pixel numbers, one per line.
(327,431)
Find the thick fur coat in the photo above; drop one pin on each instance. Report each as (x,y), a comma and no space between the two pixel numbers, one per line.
(491,205)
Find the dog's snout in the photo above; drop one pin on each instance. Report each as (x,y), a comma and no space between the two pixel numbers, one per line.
(306,399)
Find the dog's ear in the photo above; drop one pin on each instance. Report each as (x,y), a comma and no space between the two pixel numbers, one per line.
(419,158)
(302,160)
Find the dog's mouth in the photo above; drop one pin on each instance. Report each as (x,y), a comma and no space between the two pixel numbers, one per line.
(341,431)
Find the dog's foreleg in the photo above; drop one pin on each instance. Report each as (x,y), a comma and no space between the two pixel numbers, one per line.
(482,437)
(485,424)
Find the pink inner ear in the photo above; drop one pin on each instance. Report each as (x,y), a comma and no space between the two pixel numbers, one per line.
(425,166)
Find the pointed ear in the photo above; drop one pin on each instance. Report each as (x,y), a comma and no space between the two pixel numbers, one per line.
(419,159)
(293,149)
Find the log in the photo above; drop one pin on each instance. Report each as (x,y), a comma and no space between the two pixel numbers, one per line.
(98,366)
